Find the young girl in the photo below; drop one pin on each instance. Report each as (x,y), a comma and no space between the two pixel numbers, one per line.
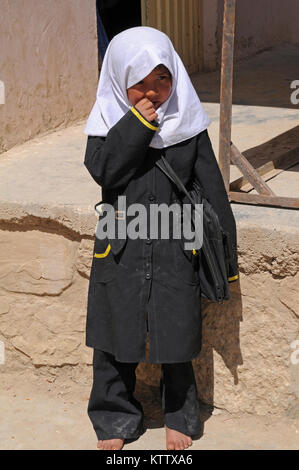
(146,106)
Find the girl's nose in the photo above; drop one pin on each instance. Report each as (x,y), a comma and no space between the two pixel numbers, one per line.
(150,94)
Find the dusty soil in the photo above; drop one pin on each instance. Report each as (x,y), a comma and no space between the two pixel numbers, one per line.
(50,412)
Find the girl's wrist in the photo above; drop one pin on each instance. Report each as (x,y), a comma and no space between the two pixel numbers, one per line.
(152,124)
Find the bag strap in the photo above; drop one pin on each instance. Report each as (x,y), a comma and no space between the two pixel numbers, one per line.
(169,171)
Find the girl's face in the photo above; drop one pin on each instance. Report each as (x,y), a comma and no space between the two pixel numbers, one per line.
(156,86)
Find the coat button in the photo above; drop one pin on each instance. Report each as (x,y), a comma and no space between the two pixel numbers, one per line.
(151,197)
(147,276)
(148,241)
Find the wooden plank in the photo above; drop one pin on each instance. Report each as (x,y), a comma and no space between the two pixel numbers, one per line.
(198,36)
(227,55)
(273,148)
(249,172)
(144,13)
(175,24)
(158,14)
(268,170)
(179,44)
(190,36)
(262,199)
(168,18)
(151,13)
(184,56)
(163,16)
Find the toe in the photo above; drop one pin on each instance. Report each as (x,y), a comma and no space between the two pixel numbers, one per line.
(170,446)
(179,446)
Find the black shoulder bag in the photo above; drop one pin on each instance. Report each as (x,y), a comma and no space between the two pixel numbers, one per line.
(215,251)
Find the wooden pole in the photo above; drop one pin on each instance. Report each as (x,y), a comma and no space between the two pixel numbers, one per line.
(226,89)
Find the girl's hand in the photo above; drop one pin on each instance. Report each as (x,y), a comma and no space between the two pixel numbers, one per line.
(147,109)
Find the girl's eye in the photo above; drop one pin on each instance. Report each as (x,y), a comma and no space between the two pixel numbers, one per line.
(162,77)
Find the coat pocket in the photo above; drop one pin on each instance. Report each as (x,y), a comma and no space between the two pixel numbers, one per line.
(104,265)
(186,263)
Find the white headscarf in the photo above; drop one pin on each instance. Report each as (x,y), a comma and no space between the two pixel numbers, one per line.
(130,56)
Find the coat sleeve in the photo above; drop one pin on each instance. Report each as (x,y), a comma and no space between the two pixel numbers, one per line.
(210,178)
(113,160)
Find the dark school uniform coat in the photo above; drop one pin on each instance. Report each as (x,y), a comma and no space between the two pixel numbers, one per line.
(149,285)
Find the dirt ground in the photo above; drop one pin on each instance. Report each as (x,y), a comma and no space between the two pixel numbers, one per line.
(46,412)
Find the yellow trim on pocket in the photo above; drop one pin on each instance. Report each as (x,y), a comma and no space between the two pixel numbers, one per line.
(144,121)
(232,278)
(102,255)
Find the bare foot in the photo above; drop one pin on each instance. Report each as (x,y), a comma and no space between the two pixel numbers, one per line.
(111,444)
(176,440)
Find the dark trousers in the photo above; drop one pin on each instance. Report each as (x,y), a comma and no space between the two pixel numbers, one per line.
(115,412)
